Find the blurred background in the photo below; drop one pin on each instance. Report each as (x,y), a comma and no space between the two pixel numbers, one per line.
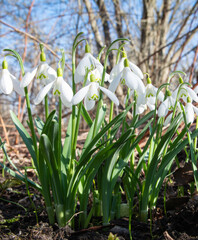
(163,38)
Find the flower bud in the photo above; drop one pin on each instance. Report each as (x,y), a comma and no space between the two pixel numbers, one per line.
(87,48)
(92,78)
(42,57)
(126,62)
(188,100)
(148,80)
(124,54)
(169,93)
(59,72)
(4,64)
(180,80)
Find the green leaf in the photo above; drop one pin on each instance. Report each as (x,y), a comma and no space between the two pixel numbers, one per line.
(26,137)
(39,125)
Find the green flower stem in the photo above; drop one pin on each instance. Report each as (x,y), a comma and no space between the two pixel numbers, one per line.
(126,104)
(195,141)
(59,134)
(110,118)
(46,107)
(73,107)
(78,119)
(102,82)
(31,122)
(101,97)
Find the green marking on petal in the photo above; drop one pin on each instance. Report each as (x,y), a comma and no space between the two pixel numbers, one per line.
(94,97)
(42,76)
(150,95)
(183,95)
(57,92)
(123,81)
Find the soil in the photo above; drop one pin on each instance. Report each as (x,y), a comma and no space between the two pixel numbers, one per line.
(24,217)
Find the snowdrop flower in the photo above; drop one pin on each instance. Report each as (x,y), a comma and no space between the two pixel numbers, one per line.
(166,105)
(91,94)
(43,72)
(120,66)
(126,76)
(60,88)
(150,96)
(88,62)
(185,92)
(8,82)
(190,110)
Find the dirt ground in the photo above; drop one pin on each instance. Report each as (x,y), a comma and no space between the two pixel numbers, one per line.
(24,217)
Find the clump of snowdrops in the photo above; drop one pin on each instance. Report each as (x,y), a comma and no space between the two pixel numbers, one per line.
(106,167)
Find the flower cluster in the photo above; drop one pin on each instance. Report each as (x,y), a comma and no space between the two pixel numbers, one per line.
(89,72)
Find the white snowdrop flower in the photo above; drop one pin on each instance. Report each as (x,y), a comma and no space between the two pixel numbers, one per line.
(185,92)
(126,76)
(151,92)
(190,111)
(120,66)
(60,88)
(88,62)
(91,94)
(8,82)
(43,72)
(166,105)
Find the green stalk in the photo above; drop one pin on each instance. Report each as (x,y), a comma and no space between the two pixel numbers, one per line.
(31,122)
(195,141)
(110,118)
(78,119)
(46,107)
(102,82)
(59,135)
(73,107)
(101,97)
(126,104)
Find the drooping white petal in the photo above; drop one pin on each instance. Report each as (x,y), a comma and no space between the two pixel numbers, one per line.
(78,97)
(136,70)
(78,78)
(52,74)
(195,110)
(163,108)
(89,104)
(86,62)
(114,84)
(131,79)
(66,94)
(29,76)
(41,71)
(189,113)
(161,96)
(93,92)
(57,86)
(196,89)
(168,119)
(192,94)
(141,98)
(116,70)
(111,95)
(151,100)
(99,67)
(151,106)
(43,93)
(17,88)
(140,108)
(6,85)
(46,73)
(141,88)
